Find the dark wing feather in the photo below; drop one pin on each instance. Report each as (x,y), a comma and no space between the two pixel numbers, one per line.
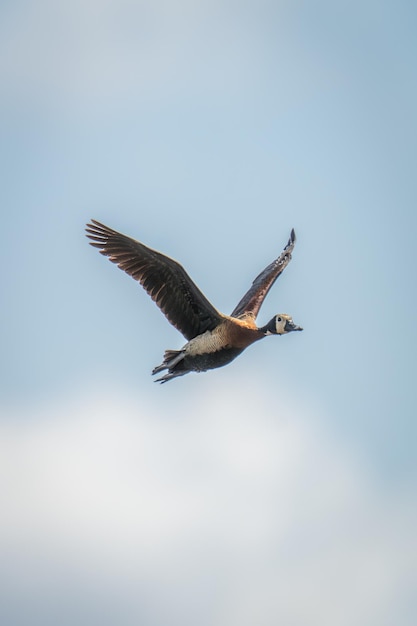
(164,279)
(253,299)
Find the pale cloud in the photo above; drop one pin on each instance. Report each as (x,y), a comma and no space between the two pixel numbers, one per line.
(92,58)
(229,510)
(85,51)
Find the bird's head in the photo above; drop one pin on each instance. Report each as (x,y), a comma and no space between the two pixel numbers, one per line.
(281,324)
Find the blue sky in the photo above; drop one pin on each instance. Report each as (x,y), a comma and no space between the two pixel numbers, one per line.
(208,130)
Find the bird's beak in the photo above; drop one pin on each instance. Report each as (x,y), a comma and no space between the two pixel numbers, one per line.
(290,326)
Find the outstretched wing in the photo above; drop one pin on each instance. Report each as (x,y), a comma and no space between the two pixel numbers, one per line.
(165,280)
(253,299)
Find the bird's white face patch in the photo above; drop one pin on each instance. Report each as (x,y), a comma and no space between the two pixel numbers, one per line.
(280,320)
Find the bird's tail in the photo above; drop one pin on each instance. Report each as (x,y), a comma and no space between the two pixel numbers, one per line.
(171,359)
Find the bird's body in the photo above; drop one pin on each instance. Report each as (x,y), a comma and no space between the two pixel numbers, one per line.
(214,339)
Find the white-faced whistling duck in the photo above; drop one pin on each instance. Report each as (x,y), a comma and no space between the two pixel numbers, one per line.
(213,339)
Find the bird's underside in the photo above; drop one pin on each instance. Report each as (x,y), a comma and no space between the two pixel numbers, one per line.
(178,363)
(210,350)
(213,339)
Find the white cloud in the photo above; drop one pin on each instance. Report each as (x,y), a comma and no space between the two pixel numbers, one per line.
(94,57)
(226,511)
(83,51)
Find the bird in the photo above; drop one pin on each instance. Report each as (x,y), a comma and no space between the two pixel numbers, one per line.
(213,338)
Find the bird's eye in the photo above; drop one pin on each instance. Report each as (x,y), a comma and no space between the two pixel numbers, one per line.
(279,319)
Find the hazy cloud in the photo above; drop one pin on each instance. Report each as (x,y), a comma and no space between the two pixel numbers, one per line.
(211,515)
(89,52)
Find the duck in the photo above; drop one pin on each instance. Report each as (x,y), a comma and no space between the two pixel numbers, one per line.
(213,338)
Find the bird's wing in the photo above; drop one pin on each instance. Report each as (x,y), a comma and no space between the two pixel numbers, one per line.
(253,299)
(164,279)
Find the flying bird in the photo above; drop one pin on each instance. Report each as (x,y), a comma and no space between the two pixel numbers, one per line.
(213,339)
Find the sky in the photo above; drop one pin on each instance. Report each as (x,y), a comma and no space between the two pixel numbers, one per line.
(281,488)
